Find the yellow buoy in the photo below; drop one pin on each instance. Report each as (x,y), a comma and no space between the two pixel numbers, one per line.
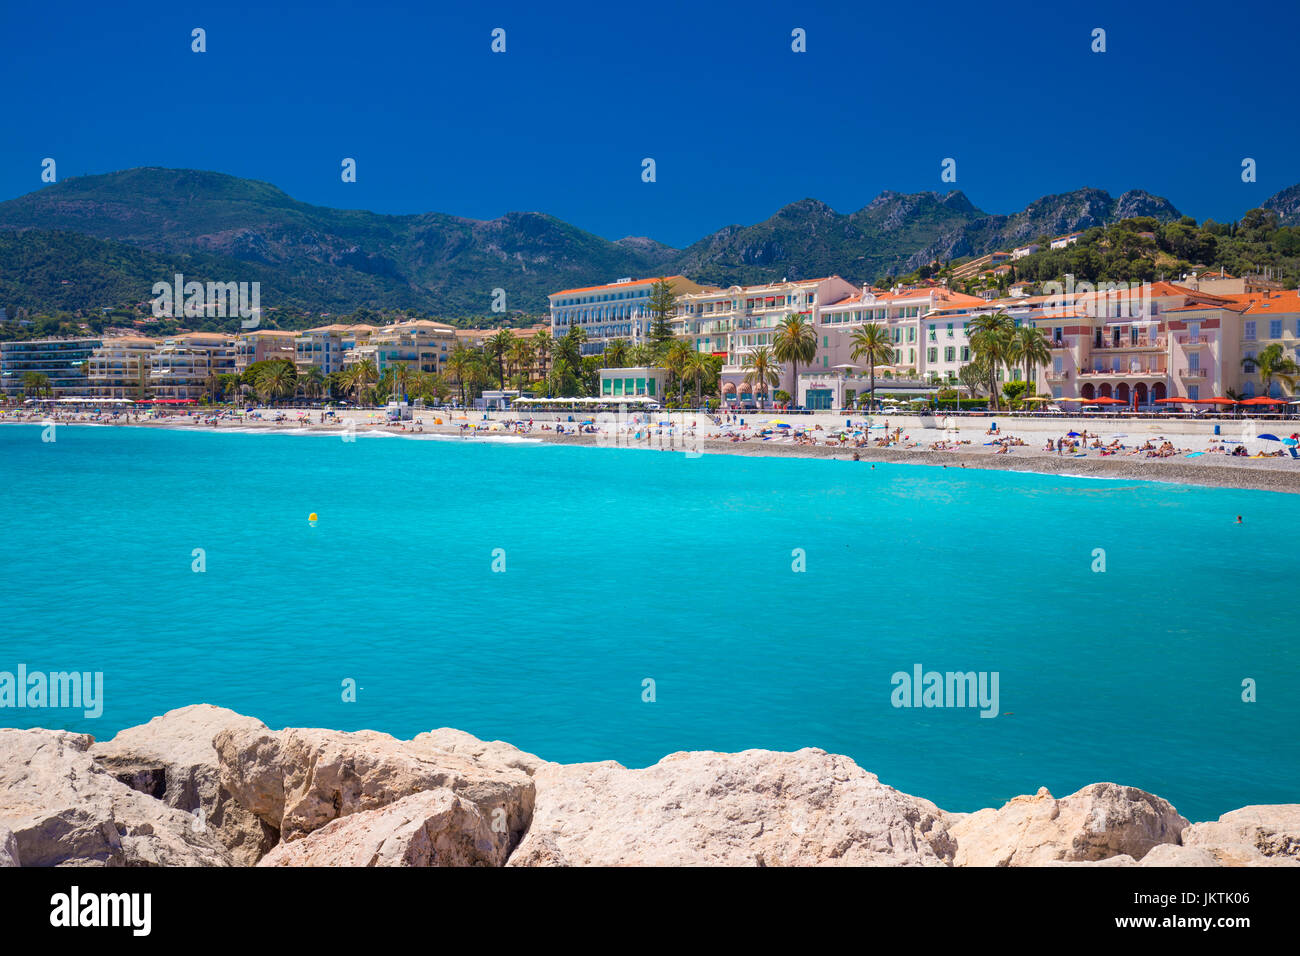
(312,517)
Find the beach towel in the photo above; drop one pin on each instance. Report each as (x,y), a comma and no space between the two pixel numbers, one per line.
(1195,454)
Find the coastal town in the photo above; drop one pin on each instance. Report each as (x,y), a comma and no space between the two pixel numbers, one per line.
(1209,342)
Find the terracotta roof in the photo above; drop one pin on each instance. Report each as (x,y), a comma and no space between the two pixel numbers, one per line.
(615,285)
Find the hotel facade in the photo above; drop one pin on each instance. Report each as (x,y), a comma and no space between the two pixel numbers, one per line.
(616,310)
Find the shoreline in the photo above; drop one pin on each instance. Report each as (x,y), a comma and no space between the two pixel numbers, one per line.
(1210,470)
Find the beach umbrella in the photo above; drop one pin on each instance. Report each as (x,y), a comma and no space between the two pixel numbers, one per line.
(1217,400)
(1104,400)
(1264,400)
(1268,438)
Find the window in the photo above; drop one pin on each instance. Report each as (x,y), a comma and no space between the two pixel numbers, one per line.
(1275,328)
(1058,365)
(932,355)
(1058,335)
(1193,392)
(826,341)
(650,387)
(1250,331)
(949,330)
(965,353)
(640,386)
(949,354)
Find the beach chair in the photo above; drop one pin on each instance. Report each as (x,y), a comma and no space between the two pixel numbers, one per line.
(1295,452)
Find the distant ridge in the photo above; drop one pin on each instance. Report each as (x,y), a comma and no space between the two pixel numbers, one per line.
(149,221)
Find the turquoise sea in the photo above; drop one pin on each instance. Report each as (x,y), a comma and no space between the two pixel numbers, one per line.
(623,565)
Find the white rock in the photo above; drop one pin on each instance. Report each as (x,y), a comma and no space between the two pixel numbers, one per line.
(756,808)
(1101,820)
(431,828)
(1272,830)
(298,780)
(64,809)
(173,759)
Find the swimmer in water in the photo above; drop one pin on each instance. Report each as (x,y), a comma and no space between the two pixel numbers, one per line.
(1238,519)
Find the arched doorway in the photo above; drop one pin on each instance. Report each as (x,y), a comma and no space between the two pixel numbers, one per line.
(1121,392)
(1157,391)
(1104,391)
(1140,390)
(1088,392)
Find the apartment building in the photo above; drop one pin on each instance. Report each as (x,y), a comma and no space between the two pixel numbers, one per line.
(1142,345)
(119,368)
(419,343)
(185,367)
(326,347)
(616,310)
(733,323)
(262,345)
(63,362)
(1270,318)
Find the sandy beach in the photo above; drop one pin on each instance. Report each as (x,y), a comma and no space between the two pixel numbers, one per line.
(963,442)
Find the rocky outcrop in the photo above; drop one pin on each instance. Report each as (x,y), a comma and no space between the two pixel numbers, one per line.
(204,786)
(299,780)
(1272,831)
(64,809)
(431,828)
(173,759)
(756,808)
(1101,820)
(8,848)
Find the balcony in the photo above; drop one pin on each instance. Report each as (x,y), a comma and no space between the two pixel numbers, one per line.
(1193,341)
(1139,346)
(1062,376)
(1133,371)
(1192,374)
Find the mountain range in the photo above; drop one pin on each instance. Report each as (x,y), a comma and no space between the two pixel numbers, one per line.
(103,240)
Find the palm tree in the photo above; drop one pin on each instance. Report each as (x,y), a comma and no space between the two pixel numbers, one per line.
(277,379)
(641,355)
(35,384)
(1272,363)
(872,344)
(764,371)
(990,338)
(615,354)
(361,376)
(498,347)
(459,364)
(700,367)
(795,341)
(543,344)
(677,357)
(313,382)
(401,378)
(1028,348)
(521,355)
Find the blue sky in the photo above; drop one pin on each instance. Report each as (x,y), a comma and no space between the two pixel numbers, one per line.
(737,123)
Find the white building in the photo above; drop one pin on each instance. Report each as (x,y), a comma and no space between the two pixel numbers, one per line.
(616,310)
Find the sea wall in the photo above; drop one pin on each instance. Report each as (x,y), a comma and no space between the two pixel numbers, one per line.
(204,786)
